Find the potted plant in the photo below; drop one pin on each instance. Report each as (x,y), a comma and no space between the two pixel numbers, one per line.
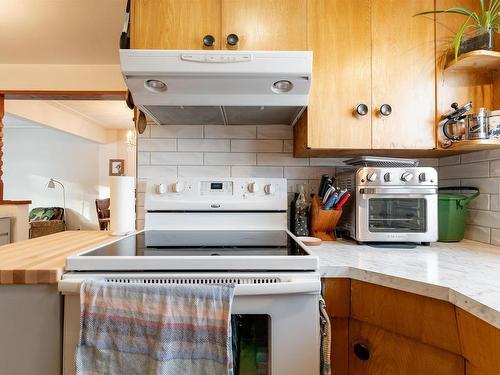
(483,26)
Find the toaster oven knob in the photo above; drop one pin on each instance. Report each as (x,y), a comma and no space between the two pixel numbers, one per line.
(253,187)
(161,189)
(388,177)
(407,176)
(269,189)
(422,177)
(178,187)
(371,176)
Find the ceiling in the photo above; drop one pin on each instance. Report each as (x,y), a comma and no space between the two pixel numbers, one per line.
(111,114)
(60,31)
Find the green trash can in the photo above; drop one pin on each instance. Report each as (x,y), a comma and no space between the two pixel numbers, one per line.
(452,212)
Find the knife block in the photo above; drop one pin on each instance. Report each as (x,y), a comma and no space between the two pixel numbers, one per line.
(323,222)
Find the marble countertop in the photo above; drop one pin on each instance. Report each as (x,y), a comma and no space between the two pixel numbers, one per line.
(466,273)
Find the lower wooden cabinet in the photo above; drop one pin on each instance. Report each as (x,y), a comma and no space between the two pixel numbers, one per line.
(383,331)
(375,351)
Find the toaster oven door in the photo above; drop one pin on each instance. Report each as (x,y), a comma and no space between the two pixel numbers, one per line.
(397,215)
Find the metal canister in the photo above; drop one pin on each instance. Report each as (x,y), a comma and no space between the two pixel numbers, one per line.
(477,125)
(494,124)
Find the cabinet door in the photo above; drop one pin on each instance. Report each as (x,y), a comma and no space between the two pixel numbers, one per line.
(174,24)
(403,71)
(265,24)
(339,36)
(374,351)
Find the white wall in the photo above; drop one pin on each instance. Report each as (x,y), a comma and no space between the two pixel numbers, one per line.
(33,156)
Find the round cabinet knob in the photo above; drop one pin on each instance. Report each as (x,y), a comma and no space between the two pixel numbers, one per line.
(253,187)
(371,176)
(161,189)
(232,40)
(178,187)
(385,109)
(407,176)
(422,177)
(361,109)
(269,189)
(208,41)
(388,177)
(362,351)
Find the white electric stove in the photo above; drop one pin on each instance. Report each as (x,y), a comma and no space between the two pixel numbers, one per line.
(222,230)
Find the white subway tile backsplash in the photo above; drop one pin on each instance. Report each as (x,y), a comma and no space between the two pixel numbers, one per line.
(447,183)
(481,155)
(149,144)
(288,145)
(237,131)
(484,218)
(251,171)
(495,237)
(494,202)
(204,171)
(331,162)
(163,171)
(214,145)
(256,145)
(485,185)
(176,158)
(230,158)
(449,160)
(280,159)
(309,173)
(274,132)
(480,169)
(176,131)
(429,162)
(495,168)
(482,202)
(477,233)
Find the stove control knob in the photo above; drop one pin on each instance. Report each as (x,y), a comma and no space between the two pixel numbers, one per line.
(160,189)
(422,177)
(269,189)
(371,176)
(178,187)
(407,176)
(253,187)
(388,177)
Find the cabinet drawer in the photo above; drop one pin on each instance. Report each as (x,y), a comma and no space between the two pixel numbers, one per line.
(424,319)
(386,353)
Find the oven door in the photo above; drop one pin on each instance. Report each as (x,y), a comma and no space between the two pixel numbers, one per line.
(397,214)
(275,319)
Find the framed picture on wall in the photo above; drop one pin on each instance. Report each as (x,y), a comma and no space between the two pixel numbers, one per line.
(116,167)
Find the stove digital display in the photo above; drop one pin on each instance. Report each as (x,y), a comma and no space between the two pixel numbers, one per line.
(216,186)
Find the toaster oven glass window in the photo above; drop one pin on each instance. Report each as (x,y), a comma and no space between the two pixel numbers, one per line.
(397,215)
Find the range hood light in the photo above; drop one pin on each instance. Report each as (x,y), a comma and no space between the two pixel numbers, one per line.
(155,85)
(282,86)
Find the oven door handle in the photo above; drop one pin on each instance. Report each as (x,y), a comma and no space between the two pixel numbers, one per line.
(72,286)
(384,191)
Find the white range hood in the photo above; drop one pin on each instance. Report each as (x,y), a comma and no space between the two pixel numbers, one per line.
(179,87)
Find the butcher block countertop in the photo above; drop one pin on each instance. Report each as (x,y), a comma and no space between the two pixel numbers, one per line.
(42,260)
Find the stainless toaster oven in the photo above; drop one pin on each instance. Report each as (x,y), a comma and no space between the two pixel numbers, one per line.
(390,204)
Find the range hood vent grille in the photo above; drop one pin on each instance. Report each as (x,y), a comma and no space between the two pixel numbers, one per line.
(216,115)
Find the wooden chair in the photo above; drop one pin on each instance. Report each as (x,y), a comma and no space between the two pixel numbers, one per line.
(102,207)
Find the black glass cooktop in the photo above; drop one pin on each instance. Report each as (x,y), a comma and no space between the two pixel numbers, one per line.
(198,243)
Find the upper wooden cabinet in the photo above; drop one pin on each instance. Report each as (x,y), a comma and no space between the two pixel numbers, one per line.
(183,24)
(174,24)
(265,24)
(371,52)
(338,33)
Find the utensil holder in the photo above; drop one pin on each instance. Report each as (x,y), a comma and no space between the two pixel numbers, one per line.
(323,222)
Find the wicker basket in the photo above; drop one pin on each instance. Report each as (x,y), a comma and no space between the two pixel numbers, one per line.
(45,227)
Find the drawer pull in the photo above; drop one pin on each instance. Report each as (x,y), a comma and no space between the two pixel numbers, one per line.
(362,351)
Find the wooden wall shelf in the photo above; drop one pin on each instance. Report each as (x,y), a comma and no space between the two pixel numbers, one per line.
(473,145)
(475,60)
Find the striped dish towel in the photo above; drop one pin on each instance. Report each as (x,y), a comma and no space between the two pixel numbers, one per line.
(166,329)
